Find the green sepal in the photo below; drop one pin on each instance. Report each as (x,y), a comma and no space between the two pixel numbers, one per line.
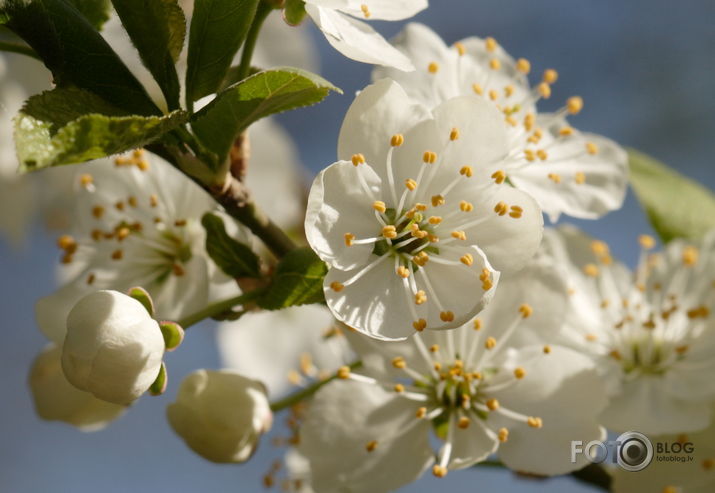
(142,296)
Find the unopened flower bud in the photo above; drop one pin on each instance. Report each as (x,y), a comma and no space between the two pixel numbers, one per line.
(57,400)
(113,347)
(221,415)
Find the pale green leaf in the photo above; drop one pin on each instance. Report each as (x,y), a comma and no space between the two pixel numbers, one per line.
(231,256)
(298,281)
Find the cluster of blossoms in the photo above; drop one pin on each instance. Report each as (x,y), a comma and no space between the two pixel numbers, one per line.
(456,327)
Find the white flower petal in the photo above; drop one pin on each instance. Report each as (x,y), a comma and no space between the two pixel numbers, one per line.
(472,445)
(387,10)
(356,40)
(344,417)
(338,205)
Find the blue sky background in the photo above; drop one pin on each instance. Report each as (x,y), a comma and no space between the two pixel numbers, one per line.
(646,71)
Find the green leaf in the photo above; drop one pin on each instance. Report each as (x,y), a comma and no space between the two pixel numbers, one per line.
(258,96)
(75,52)
(157,29)
(218,28)
(677,206)
(298,281)
(96,11)
(231,256)
(294,12)
(70,125)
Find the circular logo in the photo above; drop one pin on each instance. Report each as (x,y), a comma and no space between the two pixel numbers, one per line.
(634,451)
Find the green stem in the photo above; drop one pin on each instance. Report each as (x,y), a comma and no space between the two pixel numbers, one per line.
(18,48)
(303,394)
(218,308)
(244,68)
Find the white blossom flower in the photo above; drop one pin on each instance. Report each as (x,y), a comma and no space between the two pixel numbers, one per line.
(137,223)
(650,333)
(285,348)
(566,171)
(56,399)
(221,415)
(113,347)
(477,387)
(685,476)
(338,20)
(411,228)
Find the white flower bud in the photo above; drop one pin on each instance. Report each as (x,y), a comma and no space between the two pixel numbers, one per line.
(113,347)
(57,400)
(221,415)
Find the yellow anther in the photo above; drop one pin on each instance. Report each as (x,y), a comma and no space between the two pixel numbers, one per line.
(437,200)
(349,237)
(590,270)
(122,233)
(459,235)
(433,67)
(544,90)
(529,121)
(429,157)
(682,349)
(117,255)
(490,44)
(434,220)
(371,445)
(525,310)
(463,423)
(143,165)
(519,372)
(534,422)
(615,354)
(547,349)
(420,259)
(523,65)
(439,471)
(646,242)
(503,435)
(343,372)
(86,180)
(579,178)
(493,95)
(454,134)
(153,200)
(410,184)
(708,463)
(501,208)
(403,272)
(492,404)
(690,255)
(132,201)
(499,177)
(365,11)
(466,171)
(516,212)
(433,238)
(461,49)
(542,154)
(90,279)
(420,297)
(358,159)
(566,131)
(180,223)
(477,324)
(550,76)
(671,489)
(591,337)
(529,155)
(337,286)
(467,259)
(97,211)
(574,105)
(490,343)
(599,248)
(478,89)
(421,207)
(509,90)
(399,388)
(446,316)
(465,206)
(379,206)
(434,348)
(389,231)
(591,148)
(67,243)
(421,412)
(511,121)
(419,325)
(397,140)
